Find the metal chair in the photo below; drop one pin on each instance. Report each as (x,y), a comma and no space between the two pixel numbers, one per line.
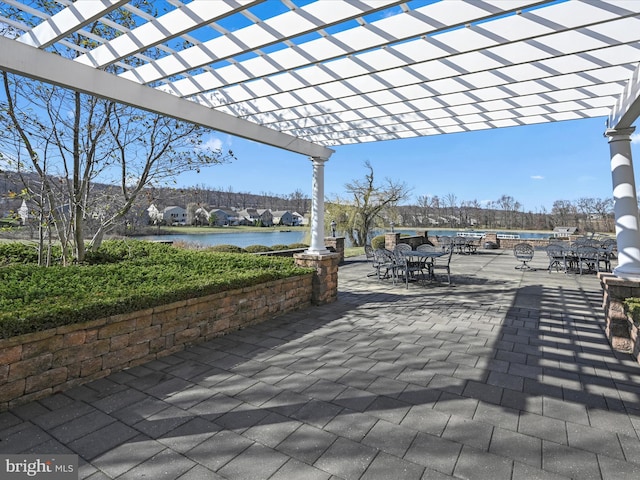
(369,253)
(588,256)
(404,267)
(444,242)
(557,257)
(523,253)
(605,254)
(459,244)
(384,263)
(437,264)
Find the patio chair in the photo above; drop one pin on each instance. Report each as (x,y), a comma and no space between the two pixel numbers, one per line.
(368,251)
(444,242)
(428,262)
(607,252)
(443,263)
(406,268)
(460,244)
(557,257)
(472,245)
(610,244)
(588,256)
(384,263)
(523,253)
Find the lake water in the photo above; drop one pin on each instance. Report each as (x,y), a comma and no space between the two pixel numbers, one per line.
(244,239)
(276,237)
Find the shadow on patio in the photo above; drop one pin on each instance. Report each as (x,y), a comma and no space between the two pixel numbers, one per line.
(505,375)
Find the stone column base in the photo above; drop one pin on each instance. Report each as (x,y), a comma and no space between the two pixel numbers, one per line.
(620,330)
(335,245)
(325,280)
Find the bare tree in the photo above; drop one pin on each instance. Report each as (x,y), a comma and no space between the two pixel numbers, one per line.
(451,204)
(563,212)
(368,201)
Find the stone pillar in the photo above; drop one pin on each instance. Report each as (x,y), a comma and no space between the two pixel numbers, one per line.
(325,280)
(335,245)
(391,239)
(625,203)
(492,237)
(620,331)
(317,208)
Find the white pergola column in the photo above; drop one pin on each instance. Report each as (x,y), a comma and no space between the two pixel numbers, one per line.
(317,208)
(625,203)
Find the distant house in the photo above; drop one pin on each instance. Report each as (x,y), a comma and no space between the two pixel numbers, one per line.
(224,216)
(299,219)
(564,231)
(174,215)
(282,217)
(201,216)
(266,217)
(155,215)
(251,216)
(248,216)
(23,212)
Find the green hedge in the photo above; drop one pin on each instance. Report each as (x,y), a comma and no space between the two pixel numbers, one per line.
(378,242)
(121,277)
(632,308)
(257,249)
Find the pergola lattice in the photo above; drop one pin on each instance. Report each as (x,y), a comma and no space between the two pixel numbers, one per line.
(336,73)
(308,75)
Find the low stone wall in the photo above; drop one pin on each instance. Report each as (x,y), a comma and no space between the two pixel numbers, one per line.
(36,365)
(422,236)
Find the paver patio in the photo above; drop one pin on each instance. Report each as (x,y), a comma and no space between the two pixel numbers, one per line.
(506,374)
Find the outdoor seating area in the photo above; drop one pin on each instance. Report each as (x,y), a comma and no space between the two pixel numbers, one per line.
(461,244)
(408,265)
(581,256)
(505,375)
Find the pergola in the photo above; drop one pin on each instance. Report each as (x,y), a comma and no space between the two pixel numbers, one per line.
(312,75)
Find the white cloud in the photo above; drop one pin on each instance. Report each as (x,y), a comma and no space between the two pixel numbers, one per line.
(537,177)
(212,143)
(215,143)
(635,138)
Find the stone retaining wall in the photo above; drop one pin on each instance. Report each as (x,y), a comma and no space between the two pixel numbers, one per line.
(36,365)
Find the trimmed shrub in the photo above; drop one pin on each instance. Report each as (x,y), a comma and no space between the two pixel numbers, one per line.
(34,298)
(632,309)
(378,242)
(19,252)
(298,245)
(226,249)
(279,246)
(257,248)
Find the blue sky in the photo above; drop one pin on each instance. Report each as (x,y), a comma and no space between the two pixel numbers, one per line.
(535,164)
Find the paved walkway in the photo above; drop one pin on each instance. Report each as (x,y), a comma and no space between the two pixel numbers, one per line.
(504,375)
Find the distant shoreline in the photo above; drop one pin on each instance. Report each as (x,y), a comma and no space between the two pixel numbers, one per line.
(209,230)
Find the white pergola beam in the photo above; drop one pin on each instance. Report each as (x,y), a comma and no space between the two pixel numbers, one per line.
(627,109)
(162,29)
(67,21)
(295,22)
(432,60)
(47,67)
(423,21)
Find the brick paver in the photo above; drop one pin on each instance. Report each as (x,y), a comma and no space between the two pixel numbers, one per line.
(503,375)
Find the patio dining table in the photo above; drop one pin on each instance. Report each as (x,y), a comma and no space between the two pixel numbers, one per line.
(423,258)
